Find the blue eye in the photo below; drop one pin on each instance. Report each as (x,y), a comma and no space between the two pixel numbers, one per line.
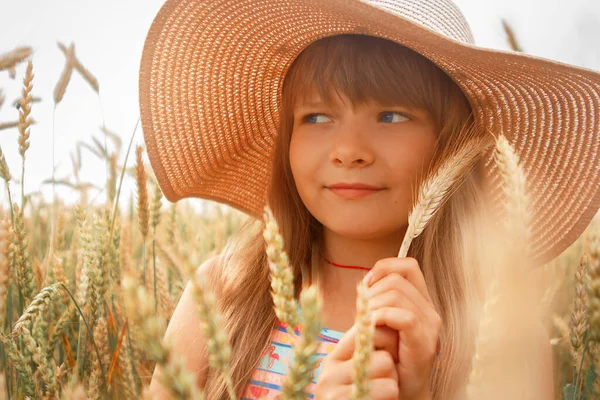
(386,116)
(310,118)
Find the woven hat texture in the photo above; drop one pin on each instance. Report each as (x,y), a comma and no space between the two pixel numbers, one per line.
(210,85)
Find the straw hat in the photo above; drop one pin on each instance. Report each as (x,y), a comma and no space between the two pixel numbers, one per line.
(211,77)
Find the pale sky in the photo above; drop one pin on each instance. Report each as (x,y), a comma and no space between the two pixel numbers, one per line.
(109,37)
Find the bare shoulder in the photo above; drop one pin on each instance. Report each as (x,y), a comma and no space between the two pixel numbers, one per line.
(184,334)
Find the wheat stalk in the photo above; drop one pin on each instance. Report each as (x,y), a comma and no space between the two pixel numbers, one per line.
(363,345)
(436,189)
(300,372)
(282,276)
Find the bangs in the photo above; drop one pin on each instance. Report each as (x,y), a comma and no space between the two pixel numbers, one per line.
(366,69)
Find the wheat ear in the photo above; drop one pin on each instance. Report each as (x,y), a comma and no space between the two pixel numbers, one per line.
(20,363)
(507,277)
(89,78)
(515,190)
(219,349)
(142,191)
(364,344)
(65,76)
(13,57)
(578,323)
(155,208)
(5,240)
(436,189)
(151,328)
(593,288)
(96,377)
(25,122)
(20,256)
(300,372)
(282,275)
(21,329)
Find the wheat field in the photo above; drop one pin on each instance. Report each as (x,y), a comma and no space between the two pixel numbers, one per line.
(70,274)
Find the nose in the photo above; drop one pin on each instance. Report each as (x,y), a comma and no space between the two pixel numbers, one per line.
(351,147)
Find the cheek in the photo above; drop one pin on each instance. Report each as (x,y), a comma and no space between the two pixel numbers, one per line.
(412,158)
(303,162)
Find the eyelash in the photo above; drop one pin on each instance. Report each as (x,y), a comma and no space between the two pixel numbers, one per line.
(308,116)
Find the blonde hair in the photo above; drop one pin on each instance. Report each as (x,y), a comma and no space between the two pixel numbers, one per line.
(363,68)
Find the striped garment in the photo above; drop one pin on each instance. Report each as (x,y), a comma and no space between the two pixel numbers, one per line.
(267,380)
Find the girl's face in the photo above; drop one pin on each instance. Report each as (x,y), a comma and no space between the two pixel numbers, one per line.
(384,148)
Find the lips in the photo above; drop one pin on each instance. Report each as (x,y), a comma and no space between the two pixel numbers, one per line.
(351,191)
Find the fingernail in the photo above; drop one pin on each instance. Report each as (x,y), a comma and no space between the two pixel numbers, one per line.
(367,278)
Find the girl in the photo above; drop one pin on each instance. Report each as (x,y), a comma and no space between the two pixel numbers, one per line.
(334,123)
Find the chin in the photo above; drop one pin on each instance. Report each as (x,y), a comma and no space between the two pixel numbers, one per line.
(363,226)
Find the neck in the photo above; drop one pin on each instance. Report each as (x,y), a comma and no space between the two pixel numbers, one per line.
(357,252)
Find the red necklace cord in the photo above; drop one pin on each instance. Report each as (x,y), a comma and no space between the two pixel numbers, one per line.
(346,266)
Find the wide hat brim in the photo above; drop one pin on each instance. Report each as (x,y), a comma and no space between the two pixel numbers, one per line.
(210,86)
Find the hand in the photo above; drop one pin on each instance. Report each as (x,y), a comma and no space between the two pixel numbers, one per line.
(398,298)
(335,379)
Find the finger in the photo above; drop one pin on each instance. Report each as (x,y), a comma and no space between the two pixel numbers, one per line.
(384,389)
(380,365)
(344,349)
(380,389)
(405,321)
(384,338)
(411,298)
(408,267)
(390,297)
